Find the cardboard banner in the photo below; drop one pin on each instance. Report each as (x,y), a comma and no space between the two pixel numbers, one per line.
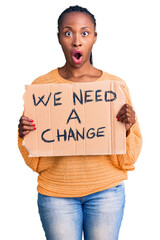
(75,119)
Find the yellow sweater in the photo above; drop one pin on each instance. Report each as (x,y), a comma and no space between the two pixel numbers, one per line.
(77,176)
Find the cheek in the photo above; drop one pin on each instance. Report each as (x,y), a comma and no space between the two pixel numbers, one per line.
(88,43)
(65,45)
(65,42)
(88,40)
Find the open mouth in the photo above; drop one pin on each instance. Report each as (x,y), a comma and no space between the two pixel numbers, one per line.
(77,56)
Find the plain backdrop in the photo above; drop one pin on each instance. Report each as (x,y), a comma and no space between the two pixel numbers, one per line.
(128,46)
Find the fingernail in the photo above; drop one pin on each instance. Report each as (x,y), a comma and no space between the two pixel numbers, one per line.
(118,119)
(117,116)
(34,128)
(31,120)
(33,125)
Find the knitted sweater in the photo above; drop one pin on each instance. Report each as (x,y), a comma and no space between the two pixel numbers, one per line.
(77,176)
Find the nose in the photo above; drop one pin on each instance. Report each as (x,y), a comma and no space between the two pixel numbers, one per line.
(76,41)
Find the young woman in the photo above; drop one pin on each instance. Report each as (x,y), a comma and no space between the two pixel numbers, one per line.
(82,193)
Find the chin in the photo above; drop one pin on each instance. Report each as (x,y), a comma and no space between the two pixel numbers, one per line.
(74,65)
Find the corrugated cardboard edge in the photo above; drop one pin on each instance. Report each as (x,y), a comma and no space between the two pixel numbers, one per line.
(122,87)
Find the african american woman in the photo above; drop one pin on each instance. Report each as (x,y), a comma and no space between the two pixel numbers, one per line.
(82,194)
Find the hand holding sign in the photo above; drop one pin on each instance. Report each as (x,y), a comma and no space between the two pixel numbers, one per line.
(25,126)
(126,115)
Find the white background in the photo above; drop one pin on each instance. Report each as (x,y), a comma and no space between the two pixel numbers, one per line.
(128,46)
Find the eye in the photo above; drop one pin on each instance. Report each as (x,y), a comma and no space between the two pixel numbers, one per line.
(85,33)
(68,33)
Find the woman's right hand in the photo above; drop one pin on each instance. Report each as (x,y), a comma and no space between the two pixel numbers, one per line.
(25,126)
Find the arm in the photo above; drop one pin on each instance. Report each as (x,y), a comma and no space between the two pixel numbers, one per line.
(32,162)
(133,142)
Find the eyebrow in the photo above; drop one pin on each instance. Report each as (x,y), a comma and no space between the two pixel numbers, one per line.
(71,28)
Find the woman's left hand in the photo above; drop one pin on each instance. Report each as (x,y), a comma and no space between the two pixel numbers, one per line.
(126,115)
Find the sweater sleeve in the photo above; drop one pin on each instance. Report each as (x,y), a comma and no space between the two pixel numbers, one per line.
(133,142)
(32,162)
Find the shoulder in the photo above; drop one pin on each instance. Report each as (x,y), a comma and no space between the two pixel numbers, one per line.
(110,76)
(49,77)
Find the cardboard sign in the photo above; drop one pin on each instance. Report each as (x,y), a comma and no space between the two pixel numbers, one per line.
(75,119)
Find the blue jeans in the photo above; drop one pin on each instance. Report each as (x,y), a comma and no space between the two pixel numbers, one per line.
(98,215)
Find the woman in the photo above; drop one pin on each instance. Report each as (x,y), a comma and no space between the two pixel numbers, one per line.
(78,193)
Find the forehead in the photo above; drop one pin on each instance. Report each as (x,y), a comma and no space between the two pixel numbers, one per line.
(77,18)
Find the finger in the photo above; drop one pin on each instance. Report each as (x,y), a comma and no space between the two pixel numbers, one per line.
(128,120)
(25,118)
(124,111)
(126,106)
(25,127)
(125,115)
(25,133)
(21,135)
(25,122)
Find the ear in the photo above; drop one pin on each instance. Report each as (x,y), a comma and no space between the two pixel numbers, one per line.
(95,38)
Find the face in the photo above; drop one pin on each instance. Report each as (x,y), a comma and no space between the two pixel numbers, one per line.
(77,33)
